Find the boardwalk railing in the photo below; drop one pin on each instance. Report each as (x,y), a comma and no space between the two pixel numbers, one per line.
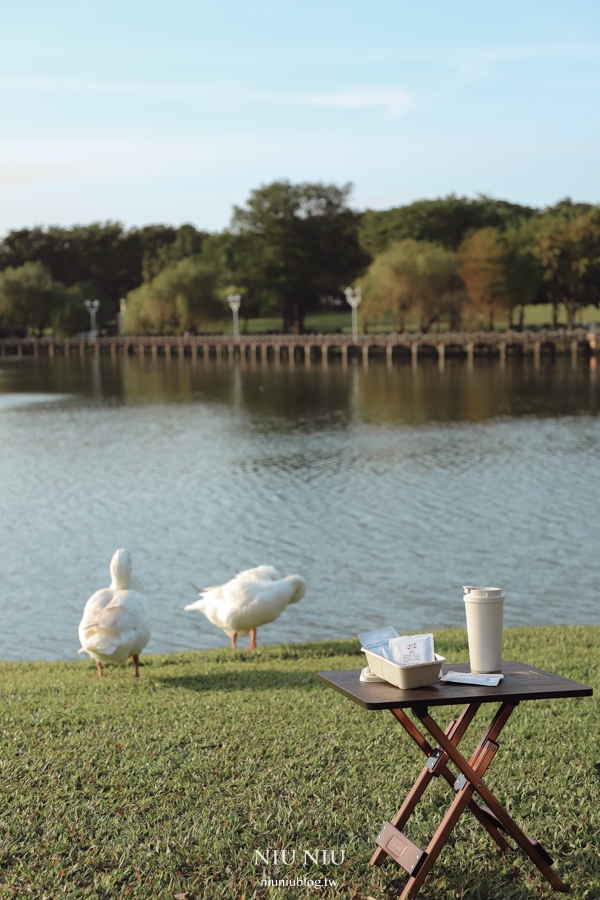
(321,347)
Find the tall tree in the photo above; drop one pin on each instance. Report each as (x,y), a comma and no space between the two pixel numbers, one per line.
(101,255)
(296,243)
(31,301)
(187,241)
(568,208)
(568,248)
(414,275)
(444,221)
(523,273)
(181,297)
(103,258)
(482,269)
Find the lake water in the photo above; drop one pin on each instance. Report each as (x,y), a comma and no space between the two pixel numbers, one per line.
(386,489)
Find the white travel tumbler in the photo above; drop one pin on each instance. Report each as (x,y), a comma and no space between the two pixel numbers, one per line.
(484,607)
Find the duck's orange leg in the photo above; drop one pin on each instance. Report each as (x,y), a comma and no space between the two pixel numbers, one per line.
(136,665)
(99,667)
(253,638)
(233,643)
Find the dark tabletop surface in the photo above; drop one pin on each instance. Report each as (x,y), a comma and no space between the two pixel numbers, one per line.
(520,682)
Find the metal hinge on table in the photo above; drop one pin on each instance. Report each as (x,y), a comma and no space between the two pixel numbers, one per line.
(432,760)
(488,751)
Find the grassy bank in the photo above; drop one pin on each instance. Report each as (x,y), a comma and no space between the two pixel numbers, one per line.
(165,787)
(539,316)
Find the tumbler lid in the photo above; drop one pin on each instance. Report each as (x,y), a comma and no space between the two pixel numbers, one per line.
(483,593)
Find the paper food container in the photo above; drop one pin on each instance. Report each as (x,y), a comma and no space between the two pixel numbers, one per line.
(405,677)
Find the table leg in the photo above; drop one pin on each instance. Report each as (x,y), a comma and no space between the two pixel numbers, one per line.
(441,768)
(489,825)
(457,807)
(493,816)
(455,732)
(472,775)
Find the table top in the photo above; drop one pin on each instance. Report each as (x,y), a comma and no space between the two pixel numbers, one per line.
(520,682)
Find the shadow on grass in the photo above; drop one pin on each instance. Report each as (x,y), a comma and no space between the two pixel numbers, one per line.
(244,680)
(498,881)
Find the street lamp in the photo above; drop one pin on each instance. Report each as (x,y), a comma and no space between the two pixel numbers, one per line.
(92,307)
(234,301)
(354,297)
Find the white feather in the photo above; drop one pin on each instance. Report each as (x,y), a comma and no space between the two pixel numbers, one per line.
(116,623)
(251,599)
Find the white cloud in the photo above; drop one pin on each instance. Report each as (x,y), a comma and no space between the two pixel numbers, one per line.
(27,173)
(394,102)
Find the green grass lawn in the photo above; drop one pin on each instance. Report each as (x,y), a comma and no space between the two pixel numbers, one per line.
(328,321)
(166,786)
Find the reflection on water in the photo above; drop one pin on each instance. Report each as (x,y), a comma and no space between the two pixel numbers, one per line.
(387,489)
(11,400)
(376,394)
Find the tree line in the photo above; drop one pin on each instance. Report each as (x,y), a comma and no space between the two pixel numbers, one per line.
(292,249)
(526,256)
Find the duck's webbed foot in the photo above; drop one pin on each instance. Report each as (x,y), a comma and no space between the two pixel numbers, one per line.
(233,640)
(253,638)
(99,667)
(136,665)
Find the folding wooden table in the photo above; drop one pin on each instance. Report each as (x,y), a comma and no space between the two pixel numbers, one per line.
(521,682)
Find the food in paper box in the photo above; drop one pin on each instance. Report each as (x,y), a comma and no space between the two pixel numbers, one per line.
(376,645)
(410,650)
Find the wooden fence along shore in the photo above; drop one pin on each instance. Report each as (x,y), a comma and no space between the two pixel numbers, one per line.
(320,347)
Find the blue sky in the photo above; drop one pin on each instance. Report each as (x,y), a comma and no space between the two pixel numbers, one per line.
(172,112)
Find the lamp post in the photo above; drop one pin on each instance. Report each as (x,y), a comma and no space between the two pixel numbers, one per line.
(121,315)
(92,307)
(234,301)
(354,297)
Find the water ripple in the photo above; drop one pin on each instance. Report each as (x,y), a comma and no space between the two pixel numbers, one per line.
(387,491)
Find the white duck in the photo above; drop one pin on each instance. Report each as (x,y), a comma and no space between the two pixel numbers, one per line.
(115,623)
(253,598)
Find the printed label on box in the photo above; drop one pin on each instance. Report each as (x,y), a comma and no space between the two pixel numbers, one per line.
(412,653)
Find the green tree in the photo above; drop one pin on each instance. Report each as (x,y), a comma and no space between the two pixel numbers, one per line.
(32,301)
(102,255)
(187,241)
(238,256)
(444,221)
(568,248)
(483,272)
(292,244)
(69,315)
(413,275)
(105,259)
(523,273)
(181,297)
(568,208)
